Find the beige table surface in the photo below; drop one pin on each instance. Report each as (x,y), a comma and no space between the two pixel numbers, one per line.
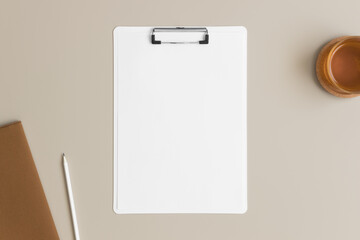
(56,76)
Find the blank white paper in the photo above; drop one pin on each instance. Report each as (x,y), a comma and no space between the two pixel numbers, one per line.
(180,140)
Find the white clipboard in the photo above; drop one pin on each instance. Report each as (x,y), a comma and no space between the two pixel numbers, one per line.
(180,131)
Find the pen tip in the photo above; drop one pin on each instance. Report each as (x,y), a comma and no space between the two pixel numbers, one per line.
(64,159)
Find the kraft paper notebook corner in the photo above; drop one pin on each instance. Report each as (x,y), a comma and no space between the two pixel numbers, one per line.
(24,211)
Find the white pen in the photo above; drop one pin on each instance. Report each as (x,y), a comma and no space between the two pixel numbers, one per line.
(71,198)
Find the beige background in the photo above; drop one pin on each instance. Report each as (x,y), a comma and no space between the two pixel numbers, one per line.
(56,76)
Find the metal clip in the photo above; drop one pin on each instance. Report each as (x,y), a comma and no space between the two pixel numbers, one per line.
(180,29)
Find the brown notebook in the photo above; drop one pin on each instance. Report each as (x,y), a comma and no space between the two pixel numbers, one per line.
(24,211)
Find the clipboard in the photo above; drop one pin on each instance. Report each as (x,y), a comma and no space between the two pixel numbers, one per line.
(180,131)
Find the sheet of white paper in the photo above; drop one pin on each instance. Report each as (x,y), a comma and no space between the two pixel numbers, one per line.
(180,123)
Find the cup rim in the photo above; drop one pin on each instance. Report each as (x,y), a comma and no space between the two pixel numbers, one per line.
(330,56)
